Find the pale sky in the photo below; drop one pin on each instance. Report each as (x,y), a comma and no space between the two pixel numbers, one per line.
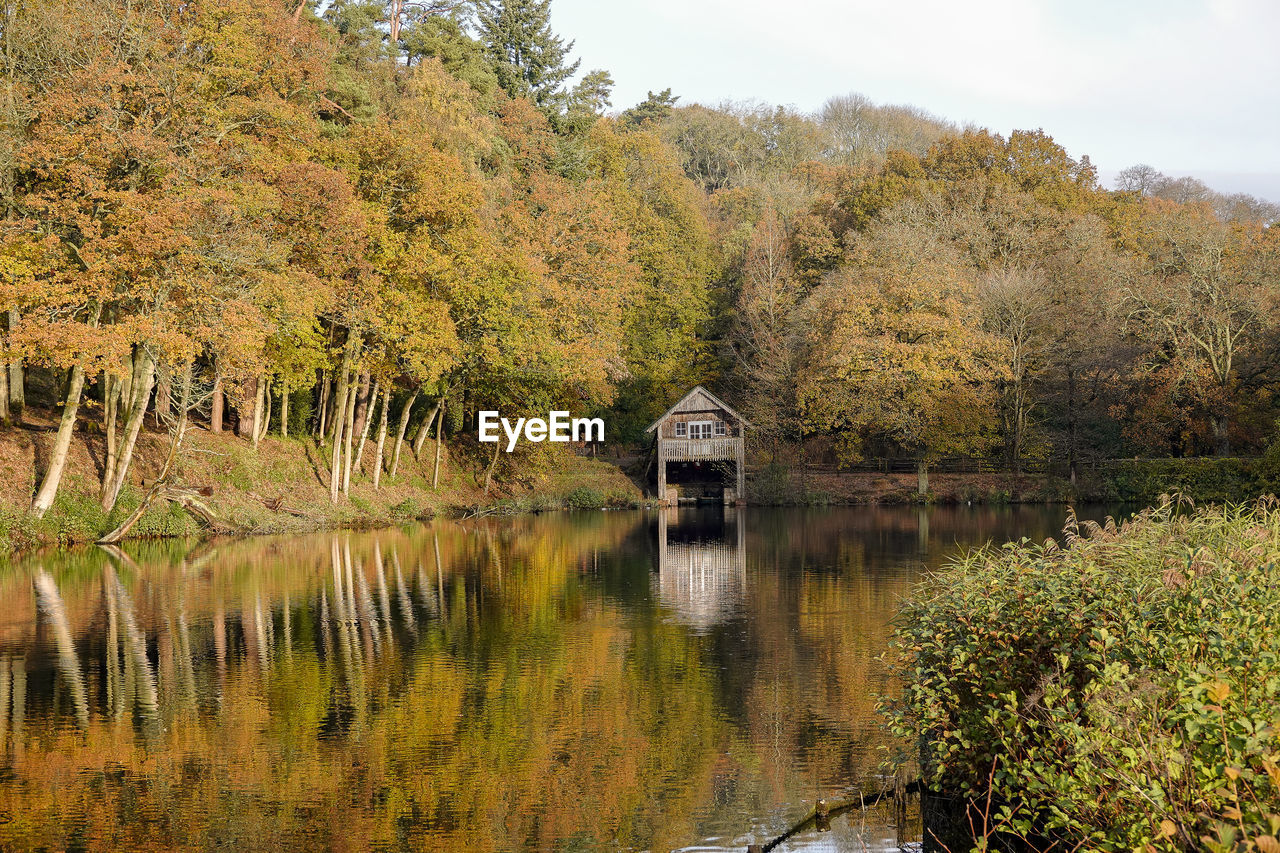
(1187,86)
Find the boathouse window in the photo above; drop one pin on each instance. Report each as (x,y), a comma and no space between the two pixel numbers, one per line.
(720,428)
(681,428)
(700,429)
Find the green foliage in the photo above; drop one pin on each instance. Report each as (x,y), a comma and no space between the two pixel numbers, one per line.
(1202,479)
(527,57)
(1115,694)
(651,111)
(78,516)
(301,406)
(584,497)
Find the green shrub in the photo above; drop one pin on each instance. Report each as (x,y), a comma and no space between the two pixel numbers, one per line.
(300,410)
(770,486)
(408,510)
(584,497)
(1116,694)
(165,520)
(1204,479)
(17,530)
(78,517)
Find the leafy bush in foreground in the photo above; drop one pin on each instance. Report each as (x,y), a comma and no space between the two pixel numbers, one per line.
(1119,693)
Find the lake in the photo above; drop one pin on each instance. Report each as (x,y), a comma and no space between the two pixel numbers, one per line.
(687,680)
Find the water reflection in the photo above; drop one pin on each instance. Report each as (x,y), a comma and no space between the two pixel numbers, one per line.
(702,564)
(595,681)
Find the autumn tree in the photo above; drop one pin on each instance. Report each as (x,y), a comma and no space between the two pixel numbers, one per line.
(896,351)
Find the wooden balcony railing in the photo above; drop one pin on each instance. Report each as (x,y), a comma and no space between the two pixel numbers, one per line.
(690,449)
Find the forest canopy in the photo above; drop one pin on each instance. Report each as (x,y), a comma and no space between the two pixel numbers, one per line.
(311,218)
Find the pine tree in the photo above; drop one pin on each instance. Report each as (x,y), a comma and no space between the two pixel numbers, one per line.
(528,58)
(652,110)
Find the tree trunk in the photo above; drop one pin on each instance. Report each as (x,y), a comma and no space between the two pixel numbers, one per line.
(382,439)
(425,430)
(259,394)
(110,411)
(404,425)
(141,388)
(922,477)
(349,437)
(284,410)
(4,395)
(335,467)
(363,397)
(1221,436)
(247,407)
(61,445)
(435,471)
(216,405)
(266,409)
(368,422)
(17,390)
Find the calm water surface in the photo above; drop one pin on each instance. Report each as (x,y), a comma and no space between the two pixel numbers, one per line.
(577,682)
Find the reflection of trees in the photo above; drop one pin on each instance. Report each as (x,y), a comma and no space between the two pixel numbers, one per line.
(320,696)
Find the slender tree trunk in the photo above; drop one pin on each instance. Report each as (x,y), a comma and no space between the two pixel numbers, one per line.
(5,416)
(284,410)
(266,408)
(61,445)
(110,413)
(435,471)
(17,389)
(255,428)
(5,413)
(335,466)
(218,404)
(349,437)
(404,425)
(922,477)
(141,388)
(425,430)
(382,439)
(368,421)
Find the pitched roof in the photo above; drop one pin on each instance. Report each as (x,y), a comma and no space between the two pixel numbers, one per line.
(698,389)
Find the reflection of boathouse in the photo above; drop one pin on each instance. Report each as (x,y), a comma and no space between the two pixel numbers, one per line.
(700,450)
(702,566)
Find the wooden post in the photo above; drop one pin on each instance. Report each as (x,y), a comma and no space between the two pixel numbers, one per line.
(740,497)
(662,470)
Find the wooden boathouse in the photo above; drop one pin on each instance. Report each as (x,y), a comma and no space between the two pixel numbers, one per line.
(700,444)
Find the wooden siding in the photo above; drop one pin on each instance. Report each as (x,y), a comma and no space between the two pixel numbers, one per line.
(668,428)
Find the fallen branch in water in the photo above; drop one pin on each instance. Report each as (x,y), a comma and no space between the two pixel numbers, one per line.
(823,812)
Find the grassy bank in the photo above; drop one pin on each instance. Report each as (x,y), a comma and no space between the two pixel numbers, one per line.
(1116,693)
(282,486)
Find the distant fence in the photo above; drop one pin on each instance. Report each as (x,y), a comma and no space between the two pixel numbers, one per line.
(989,465)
